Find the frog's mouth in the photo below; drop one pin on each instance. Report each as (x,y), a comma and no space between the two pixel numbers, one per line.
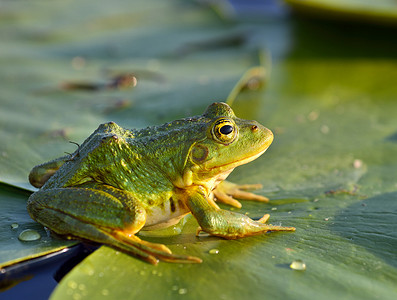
(236,163)
(248,157)
(214,170)
(213,176)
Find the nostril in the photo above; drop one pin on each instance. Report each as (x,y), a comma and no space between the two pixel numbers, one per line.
(254,128)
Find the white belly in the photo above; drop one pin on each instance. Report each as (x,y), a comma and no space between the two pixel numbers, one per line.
(163,217)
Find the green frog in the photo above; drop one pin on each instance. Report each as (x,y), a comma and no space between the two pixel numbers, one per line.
(121,181)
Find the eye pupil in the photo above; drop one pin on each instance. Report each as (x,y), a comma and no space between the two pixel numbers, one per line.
(226,129)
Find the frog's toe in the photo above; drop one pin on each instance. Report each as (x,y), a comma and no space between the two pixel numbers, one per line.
(268,227)
(159,247)
(225,198)
(264,219)
(226,192)
(151,252)
(240,194)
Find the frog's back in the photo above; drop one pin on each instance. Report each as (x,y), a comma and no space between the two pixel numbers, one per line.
(132,159)
(96,152)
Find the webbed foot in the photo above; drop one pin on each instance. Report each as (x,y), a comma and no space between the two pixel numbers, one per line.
(230,225)
(226,192)
(150,252)
(225,223)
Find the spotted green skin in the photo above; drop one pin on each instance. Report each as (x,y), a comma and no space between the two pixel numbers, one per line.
(121,181)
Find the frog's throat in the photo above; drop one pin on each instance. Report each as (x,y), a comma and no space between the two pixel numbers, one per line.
(210,177)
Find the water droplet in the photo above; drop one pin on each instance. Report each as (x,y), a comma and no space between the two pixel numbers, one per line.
(105,292)
(14,225)
(29,235)
(298,265)
(174,287)
(72,284)
(76,296)
(213,251)
(142,272)
(182,291)
(88,269)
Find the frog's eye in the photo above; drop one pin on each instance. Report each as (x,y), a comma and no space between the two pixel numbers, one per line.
(224,131)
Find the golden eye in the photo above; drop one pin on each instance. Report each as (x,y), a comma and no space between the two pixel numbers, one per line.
(224,131)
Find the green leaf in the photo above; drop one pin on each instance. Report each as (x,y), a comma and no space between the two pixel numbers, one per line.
(331,171)
(39,110)
(14,219)
(335,185)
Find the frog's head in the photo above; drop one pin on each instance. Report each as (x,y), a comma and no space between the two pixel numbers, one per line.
(227,142)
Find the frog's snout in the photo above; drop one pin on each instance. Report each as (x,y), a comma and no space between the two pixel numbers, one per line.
(254,128)
(266,135)
(269,135)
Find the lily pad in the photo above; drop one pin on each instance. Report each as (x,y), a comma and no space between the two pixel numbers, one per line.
(14,221)
(41,112)
(325,182)
(330,171)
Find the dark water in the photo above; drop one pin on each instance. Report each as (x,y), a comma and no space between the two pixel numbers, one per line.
(37,278)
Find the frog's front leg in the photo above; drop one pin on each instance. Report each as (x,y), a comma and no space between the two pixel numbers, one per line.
(223,223)
(101,214)
(226,192)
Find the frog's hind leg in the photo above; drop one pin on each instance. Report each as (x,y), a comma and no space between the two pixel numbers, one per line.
(90,232)
(104,215)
